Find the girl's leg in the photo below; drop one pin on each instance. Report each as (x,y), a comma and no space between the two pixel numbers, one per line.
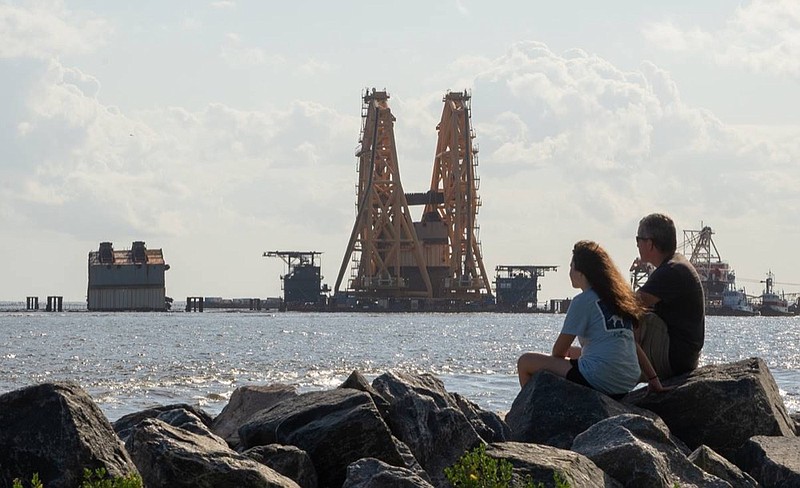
(532,362)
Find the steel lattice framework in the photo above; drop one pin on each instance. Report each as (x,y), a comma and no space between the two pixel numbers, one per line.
(454,176)
(383,244)
(715,274)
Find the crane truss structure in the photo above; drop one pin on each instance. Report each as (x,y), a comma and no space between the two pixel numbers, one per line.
(387,258)
(640,271)
(438,257)
(715,274)
(454,176)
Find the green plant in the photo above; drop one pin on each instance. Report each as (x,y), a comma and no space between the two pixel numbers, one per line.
(35,482)
(559,480)
(476,469)
(91,479)
(99,479)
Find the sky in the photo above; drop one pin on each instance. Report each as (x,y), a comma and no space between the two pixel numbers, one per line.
(218,130)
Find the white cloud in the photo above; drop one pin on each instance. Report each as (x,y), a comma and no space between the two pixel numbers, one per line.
(462,7)
(42,29)
(313,67)
(152,172)
(583,149)
(191,24)
(223,4)
(763,36)
(572,147)
(238,55)
(668,36)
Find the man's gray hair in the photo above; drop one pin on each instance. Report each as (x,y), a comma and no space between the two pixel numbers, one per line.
(660,229)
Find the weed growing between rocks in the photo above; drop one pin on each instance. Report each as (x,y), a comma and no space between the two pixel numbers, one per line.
(35,482)
(476,469)
(92,479)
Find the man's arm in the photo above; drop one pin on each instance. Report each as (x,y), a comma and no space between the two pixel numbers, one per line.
(647,299)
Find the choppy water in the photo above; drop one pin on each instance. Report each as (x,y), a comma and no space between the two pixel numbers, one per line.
(132,361)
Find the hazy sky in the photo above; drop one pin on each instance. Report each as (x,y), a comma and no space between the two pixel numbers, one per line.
(220,130)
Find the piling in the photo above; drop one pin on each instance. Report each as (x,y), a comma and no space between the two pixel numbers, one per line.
(55,304)
(194,304)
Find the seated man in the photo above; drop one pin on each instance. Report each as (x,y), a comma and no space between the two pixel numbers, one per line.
(672,336)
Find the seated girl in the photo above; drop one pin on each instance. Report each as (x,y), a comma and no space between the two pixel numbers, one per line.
(603,317)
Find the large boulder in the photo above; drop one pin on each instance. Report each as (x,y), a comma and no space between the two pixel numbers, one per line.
(772,461)
(374,473)
(427,419)
(544,464)
(709,461)
(721,406)
(490,426)
(358,381)
(289,461)
(187,420)
(172,457)
(335,428)
(246,401)
(124,424)
(552,410)
(639,452)
(394,386)
(57,431)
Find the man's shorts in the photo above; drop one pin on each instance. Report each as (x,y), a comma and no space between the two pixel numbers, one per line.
(654,339)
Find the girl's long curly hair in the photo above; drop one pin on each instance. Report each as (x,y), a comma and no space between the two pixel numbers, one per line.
(606,280)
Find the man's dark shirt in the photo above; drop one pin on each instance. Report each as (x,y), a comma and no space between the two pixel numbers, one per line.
(681,306)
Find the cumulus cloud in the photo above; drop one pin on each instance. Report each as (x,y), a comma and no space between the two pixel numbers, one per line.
(582,148)
(47,28)
(80,158)
(237,54)
(223,4)
(571,147)
(313,67)
(191,24)
(763,36)
(462,7)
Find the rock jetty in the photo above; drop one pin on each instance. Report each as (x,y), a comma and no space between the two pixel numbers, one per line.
(722,426)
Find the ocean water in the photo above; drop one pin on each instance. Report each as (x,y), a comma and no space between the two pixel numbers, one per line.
(132,361)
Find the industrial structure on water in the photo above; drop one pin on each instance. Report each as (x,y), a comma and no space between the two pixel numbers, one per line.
(722,295)
(127,280)
(395,263)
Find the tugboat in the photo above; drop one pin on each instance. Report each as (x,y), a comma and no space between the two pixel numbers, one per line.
(772,304)
(735,302)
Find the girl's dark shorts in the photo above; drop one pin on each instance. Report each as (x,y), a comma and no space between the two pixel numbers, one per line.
(575,376)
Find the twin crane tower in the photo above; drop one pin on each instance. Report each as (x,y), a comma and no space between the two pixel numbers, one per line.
(434,263)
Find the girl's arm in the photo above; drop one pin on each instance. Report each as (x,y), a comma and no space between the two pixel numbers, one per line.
(561,347)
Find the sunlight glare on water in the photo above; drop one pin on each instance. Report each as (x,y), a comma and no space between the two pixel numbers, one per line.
(131,361)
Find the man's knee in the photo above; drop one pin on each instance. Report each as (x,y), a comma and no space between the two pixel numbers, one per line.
(653,336)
